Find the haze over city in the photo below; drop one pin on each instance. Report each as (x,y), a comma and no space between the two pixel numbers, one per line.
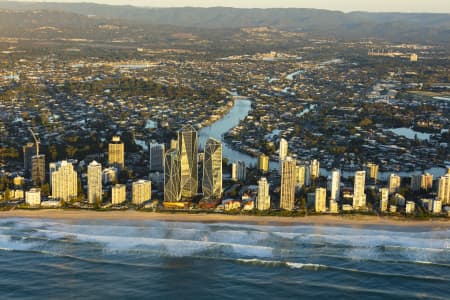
(435,6)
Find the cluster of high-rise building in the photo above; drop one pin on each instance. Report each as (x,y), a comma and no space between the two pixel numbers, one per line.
(178,167)
(181,168)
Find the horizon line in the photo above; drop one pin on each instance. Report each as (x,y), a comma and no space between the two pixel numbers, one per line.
(223,6)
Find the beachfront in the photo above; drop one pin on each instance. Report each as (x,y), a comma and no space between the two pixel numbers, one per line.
(132,215)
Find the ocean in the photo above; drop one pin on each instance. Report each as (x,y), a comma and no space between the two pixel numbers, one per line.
(62,259)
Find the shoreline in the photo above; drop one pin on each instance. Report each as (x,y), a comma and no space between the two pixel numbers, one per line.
(132,215)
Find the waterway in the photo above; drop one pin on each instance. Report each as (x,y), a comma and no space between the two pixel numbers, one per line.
(411,134)
(230,120)
(240,110)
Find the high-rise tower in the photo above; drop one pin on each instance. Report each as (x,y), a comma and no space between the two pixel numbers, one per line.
(288,182)
(64,182)
(116,152)
(359,195)
(212,169)
(172,179)
(263,198)
(94,182)
(156,159)
(335,185)
(188,149)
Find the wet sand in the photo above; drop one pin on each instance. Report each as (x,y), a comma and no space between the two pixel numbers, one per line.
(132,215)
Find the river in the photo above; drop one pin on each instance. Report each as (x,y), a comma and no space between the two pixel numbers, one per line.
(239,111)
(230,120)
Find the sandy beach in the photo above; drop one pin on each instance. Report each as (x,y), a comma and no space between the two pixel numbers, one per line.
(132,215)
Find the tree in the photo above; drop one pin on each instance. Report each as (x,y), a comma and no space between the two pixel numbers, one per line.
(53,152)
(7,194)
(45,190)
(70,150)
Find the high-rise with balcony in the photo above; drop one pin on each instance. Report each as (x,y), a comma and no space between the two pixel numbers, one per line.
(315,169)
(64,182)
(95,193)
(141,191)
(118,194)
(384,199)
(263,198)
(359,195)
(283,150)
(444,190)
(263,163)
(320,203)
(288,183)
(372,170)
(116,153)
(300,175)
(212,169)
(394,183)
(335,185)
(426,181)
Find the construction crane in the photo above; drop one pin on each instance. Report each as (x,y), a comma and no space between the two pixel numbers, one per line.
(36,140)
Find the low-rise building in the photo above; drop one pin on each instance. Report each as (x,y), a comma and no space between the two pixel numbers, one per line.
(33,197)
(410,207)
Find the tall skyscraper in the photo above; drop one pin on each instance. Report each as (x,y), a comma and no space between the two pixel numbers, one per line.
(288,179)
(188,148)
(301,175)
(394,183)
(263,198)
(156,159)
(172,176)
(118,194)
(64,182)
(283,151)
(141,191)
(263,163)
(372,170)
(315,169)
(384,199)
(29,151)
(335,186)
(238,171)
(359,196)
(38,169)
(444,189)
(212,169)
(95,193)
(320,203)
(116,152)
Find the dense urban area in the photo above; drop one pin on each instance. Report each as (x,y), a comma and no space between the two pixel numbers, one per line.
(330,125)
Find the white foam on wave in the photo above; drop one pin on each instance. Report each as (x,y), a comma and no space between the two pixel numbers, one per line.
(173,247)
(277,263)
(7,243)
(182,238)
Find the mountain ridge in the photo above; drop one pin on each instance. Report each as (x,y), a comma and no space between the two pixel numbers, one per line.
(397,27)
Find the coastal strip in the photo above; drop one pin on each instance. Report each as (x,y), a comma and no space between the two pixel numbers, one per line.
(132,215)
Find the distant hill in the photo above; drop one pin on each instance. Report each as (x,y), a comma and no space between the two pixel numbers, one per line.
(431,28)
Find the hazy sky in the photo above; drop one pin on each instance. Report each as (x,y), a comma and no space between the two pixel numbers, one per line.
(442,6)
